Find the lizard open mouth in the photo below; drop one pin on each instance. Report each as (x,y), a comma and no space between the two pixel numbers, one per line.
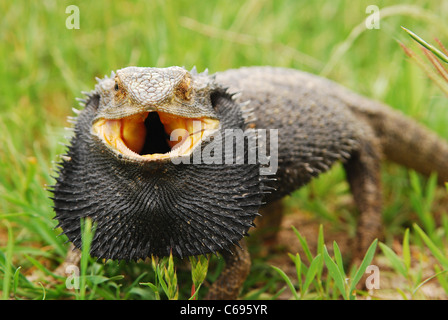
(154,135)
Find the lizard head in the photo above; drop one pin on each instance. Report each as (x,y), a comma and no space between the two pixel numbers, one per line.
(117,169)
(149,114)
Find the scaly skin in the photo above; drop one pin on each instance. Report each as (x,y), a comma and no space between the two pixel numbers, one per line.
(144,204)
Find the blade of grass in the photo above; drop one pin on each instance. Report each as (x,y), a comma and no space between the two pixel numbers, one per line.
(431,48)
(406,250)
(362,268)
(171,279)
(153,287)
(393,258)
(335,273)
(275,296)
(133,285)
(298,265)
(87,237)
(320,250)
(338,258)
(311,273)
(422,199)
(402,294)
(304,244)
(8,259)
(432,247)
(44,292)
(427,280)
(288,281)
(16,280)
(442,279)
(199,268)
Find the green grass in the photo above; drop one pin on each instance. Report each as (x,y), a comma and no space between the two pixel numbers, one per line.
(44,67)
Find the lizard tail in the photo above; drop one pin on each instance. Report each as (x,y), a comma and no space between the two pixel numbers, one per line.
(410,144)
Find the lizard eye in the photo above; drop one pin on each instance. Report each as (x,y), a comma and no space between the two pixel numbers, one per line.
(116,86)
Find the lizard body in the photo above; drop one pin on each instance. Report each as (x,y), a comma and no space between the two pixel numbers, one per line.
(145,204)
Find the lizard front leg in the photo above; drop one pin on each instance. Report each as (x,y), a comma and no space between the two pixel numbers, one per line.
(231,279)
(269,222)
(73,258)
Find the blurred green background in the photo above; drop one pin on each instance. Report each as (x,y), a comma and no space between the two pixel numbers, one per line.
(44,66)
